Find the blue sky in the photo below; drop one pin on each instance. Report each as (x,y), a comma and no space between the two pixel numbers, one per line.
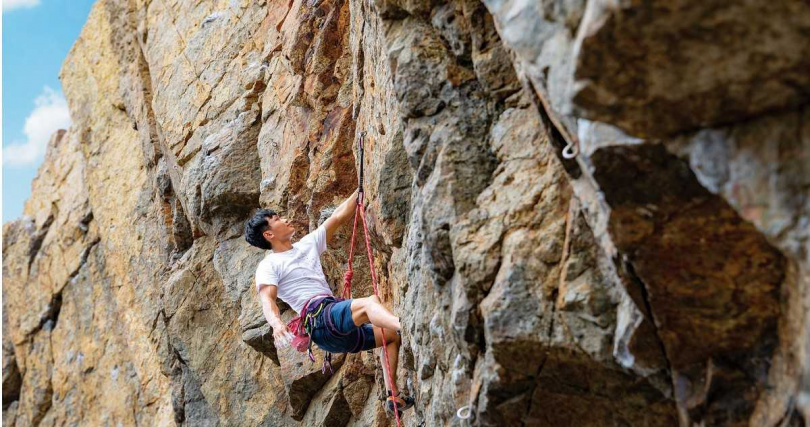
(37,35)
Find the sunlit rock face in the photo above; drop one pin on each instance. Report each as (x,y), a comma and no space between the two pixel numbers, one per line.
(659,278)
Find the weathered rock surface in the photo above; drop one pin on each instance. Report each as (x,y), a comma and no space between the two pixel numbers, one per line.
(646,282)
(660,68)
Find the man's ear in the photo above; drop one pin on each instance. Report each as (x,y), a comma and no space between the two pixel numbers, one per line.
(268,234)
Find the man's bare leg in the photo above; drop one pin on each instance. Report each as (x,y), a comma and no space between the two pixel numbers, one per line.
(393,340)
(370,310)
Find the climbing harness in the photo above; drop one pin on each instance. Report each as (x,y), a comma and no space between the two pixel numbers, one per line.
(360,212)
(308,319)
(301,327)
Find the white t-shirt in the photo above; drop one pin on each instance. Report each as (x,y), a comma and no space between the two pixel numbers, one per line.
(297,272)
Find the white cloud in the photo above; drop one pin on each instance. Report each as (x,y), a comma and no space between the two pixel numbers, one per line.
(50,114)
(19,4)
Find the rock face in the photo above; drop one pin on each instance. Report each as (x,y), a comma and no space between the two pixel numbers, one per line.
(646,282)
(662,68)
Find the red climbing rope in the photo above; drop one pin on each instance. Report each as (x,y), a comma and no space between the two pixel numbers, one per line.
(347,279)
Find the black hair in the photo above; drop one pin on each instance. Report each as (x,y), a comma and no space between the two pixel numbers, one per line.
(257,225)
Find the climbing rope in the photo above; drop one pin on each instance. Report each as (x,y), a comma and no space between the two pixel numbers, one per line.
(347,279)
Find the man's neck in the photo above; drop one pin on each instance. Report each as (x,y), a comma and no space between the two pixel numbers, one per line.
(285,246)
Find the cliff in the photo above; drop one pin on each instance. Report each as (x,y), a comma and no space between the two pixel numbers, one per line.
(660,277)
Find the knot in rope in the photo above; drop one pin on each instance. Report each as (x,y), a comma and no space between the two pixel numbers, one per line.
(347,279)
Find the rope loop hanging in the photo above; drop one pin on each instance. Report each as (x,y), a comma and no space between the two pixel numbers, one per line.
(347,279)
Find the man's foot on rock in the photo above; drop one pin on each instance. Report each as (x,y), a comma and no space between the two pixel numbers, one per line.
(401,403)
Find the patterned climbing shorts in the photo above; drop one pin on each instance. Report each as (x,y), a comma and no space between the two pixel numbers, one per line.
(334,331)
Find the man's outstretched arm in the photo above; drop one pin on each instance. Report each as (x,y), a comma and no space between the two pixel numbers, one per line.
(268,295)
(340,216)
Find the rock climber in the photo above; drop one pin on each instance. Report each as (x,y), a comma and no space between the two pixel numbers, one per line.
(293,272)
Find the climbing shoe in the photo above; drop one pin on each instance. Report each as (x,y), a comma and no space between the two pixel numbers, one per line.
(401,403)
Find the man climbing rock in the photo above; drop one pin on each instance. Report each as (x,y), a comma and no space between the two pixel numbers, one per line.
(293,272)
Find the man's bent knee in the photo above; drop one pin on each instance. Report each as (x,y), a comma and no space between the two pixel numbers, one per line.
(391,337)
